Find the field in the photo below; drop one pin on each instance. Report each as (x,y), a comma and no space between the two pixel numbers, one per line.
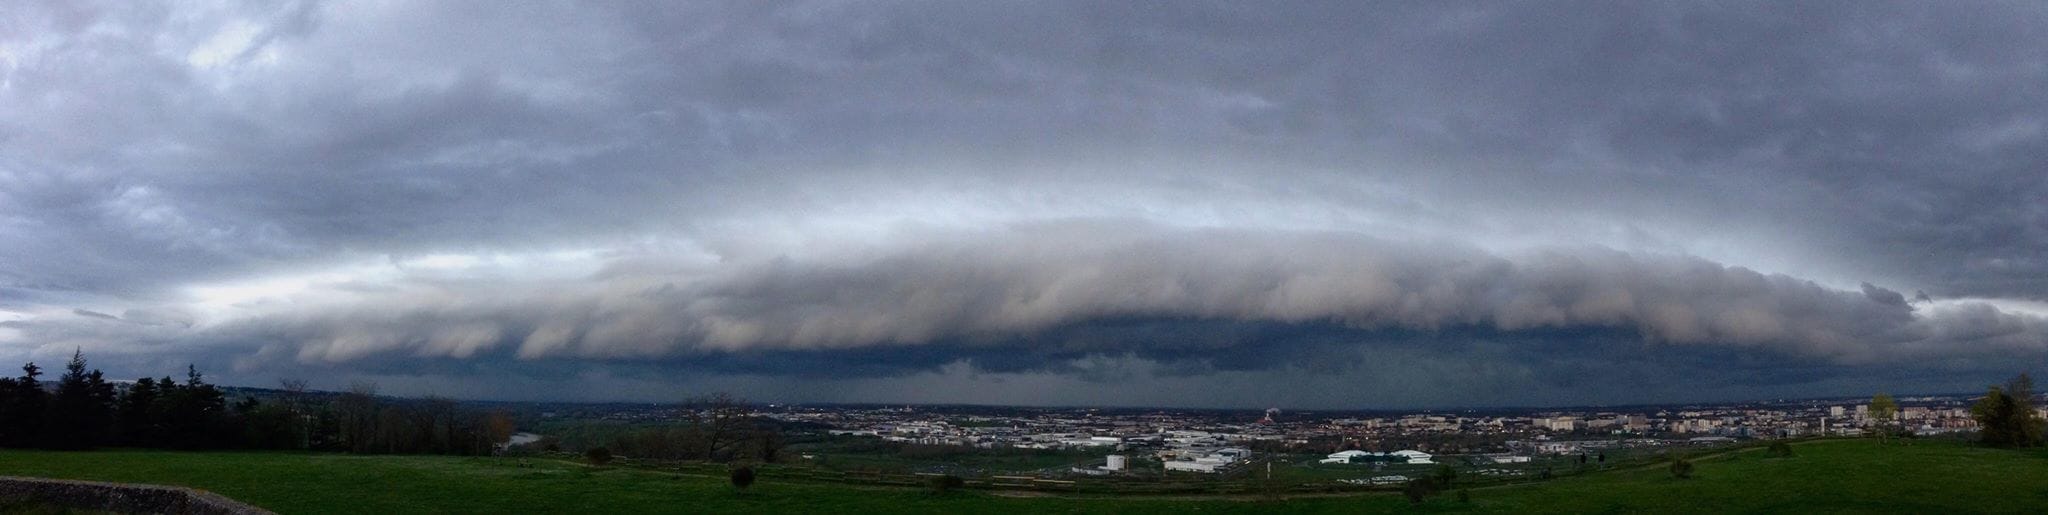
(1843,476)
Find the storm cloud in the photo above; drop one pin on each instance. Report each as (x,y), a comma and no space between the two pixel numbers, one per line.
(1048,202)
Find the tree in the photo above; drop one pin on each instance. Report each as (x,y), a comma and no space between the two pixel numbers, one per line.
(441,424)
(1681,468)
(192,414)
(7,415)
(1443,476)
(1882,410)
(85,410)
(268,425)
(1779,449)
(357,411)
(722,423)
(598,456)
(294,401)
(946,483)
(292,392)
(134,423)
(1419,490)
(742,477)
(768,443)
(82,409)
(2025,425)
(21,416)
(2005,416)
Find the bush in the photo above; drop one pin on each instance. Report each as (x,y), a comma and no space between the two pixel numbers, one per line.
(742,477)
(1419,490)
(1464,496)
(1779,450)
(1681,468)
(598,456)
(946,483)
(1444,475)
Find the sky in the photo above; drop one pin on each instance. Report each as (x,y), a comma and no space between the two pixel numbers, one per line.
(1219,204)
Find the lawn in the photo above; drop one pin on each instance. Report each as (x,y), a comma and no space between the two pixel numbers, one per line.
(1825,477)
(1836,476)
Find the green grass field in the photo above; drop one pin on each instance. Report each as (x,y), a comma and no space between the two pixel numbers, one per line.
(1824,477)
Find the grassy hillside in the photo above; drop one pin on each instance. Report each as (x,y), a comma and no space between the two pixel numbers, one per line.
(1825,477)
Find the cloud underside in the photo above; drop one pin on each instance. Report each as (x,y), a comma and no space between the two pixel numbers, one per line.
(1060,292)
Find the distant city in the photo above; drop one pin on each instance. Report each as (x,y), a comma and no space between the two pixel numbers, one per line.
(1225,441)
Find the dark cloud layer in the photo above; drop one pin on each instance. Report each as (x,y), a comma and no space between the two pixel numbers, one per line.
(1045,202)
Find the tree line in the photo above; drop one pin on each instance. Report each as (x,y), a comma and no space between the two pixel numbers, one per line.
(85,410)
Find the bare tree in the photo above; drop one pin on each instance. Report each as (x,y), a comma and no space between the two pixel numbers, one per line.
(722,422)
(294,395)
(294,398)
(442,423)
(358,410)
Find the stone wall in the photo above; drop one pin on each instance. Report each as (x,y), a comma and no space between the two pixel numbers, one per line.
(123,497)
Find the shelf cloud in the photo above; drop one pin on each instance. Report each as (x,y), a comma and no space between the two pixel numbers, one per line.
(1328,204)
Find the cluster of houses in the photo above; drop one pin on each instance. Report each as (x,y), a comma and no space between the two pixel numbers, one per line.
(1214,441)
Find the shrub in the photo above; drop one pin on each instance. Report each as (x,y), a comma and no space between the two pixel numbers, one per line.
(1681,468)
(1419,490)
(598,456)
(946,483)
(742,477)
(1779,450)
(1464,496)
(1444,475)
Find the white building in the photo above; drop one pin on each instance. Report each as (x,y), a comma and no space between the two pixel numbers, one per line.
(1210,462)
(1232,454)
(1413,457)
(1561,423)
(1348,456)
(1202,465)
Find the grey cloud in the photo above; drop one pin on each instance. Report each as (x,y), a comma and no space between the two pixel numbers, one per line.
(1283,163)
(93,314)
(1883,296)
(357,138)
(992,287)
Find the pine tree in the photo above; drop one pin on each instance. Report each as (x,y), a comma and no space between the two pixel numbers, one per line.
(193,413)
(136,421)
(82,409)
(21,417)
(7,415)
